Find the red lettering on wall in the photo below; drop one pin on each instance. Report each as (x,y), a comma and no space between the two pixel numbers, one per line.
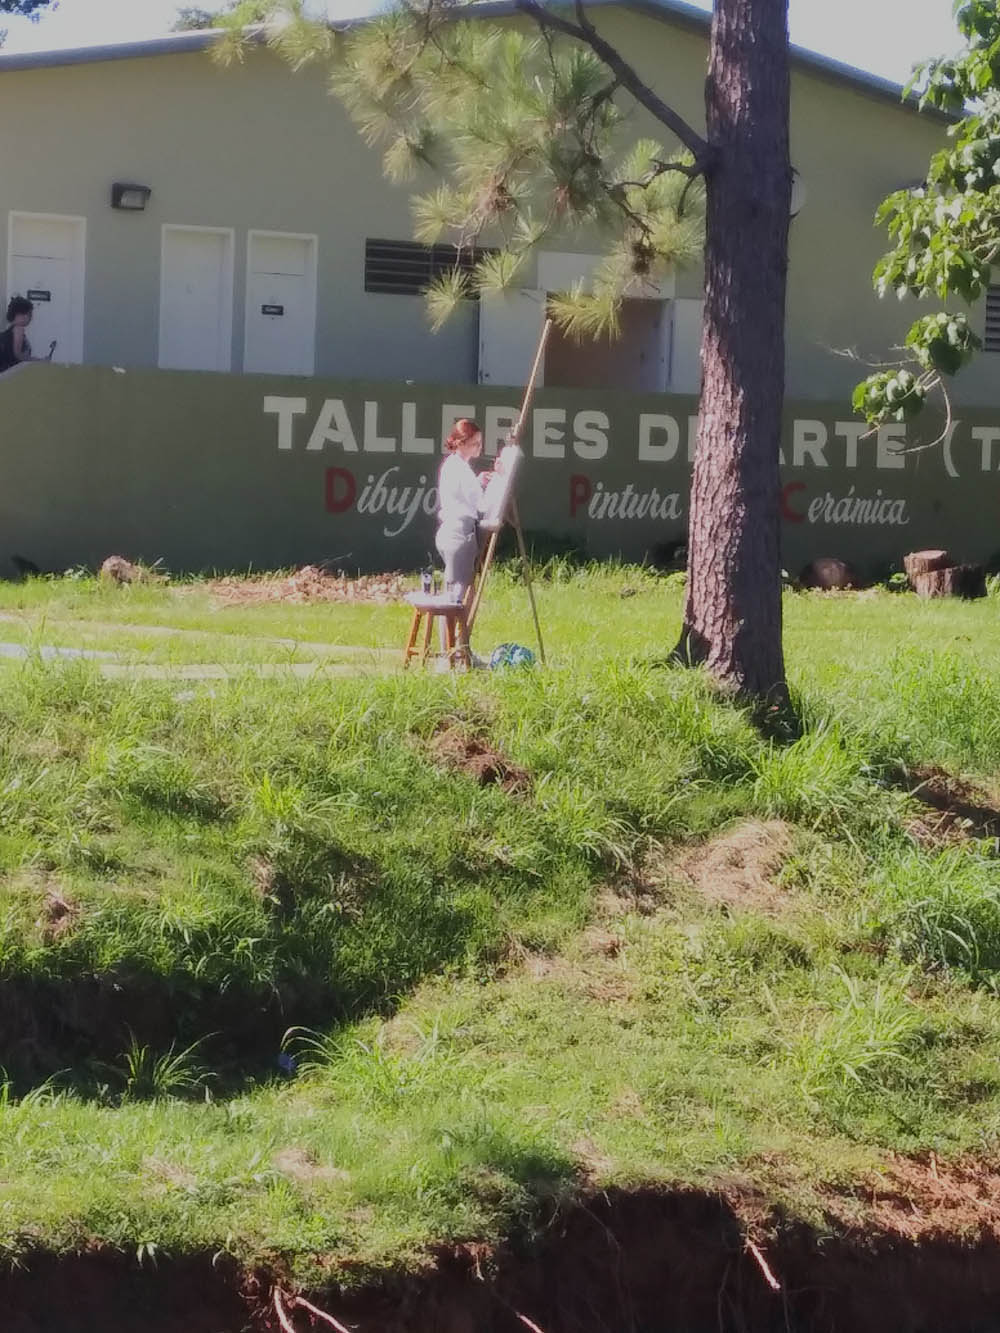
(789,514)
(580,491)
(341,489)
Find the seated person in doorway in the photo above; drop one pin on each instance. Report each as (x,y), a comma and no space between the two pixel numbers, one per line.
(14,345)
(460,503)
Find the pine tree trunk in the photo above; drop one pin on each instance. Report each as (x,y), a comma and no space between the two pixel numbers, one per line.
(732,616)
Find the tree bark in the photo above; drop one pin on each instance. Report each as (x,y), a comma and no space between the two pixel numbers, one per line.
(732,616)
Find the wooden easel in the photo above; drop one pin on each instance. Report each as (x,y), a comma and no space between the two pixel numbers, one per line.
(512,516)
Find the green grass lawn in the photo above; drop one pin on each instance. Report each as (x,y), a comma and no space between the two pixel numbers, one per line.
(493,994)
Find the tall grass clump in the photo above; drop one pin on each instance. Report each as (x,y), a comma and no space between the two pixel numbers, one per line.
(936,707)
(940,911)
(827,779)
(863,1042)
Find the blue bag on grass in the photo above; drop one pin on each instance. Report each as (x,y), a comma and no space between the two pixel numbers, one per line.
(511,655)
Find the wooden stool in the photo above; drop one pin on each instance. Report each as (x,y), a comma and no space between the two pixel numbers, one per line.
(427,609)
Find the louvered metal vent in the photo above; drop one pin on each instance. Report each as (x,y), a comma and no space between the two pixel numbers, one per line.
(991,341)
(406,268)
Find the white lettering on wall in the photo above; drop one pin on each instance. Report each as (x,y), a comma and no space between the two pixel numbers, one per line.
(587,434)
(632,504)
(333,426)
(658,450)
(986,437)
(949,462)
(852,432)
(808,438)
(590,435)
(374,442)
(891,440)
(497,425)
(858,509)
(402,502)
(286,410)
(412,443)
(547,440)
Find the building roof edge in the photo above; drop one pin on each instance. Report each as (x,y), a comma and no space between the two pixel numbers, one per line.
(677,12)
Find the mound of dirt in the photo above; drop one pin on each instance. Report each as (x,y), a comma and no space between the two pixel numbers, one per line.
(310,584)
(463,751)
(954,809)
(58,915)
(116,569)
(739,868)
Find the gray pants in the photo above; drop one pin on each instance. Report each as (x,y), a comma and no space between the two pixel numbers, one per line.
(459,556)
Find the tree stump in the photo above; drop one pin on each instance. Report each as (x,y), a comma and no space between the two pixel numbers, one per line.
(936,574)
(924,562)
(957,581)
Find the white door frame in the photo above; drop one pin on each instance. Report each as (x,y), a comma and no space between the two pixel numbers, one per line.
(228,279)
(312,277)
(79,286)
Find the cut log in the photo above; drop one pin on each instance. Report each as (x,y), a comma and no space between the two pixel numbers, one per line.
(958,581)
(828,572)
(923,562)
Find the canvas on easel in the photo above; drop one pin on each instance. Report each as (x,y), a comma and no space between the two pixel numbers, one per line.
(500,490)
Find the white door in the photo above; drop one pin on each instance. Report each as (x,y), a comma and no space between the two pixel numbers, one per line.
(510,324)
(196,298)
(685,352)
(45,263)
(281,304)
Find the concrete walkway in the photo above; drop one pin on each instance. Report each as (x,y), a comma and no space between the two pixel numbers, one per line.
(111,665)
(234,670)
(25,650)
(171,631)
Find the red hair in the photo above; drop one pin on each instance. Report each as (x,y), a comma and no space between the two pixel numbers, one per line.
(461,433)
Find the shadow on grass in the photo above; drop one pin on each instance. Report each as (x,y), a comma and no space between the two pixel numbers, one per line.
(332,937)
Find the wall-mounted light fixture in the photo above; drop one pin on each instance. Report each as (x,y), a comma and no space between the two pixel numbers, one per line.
(130,198)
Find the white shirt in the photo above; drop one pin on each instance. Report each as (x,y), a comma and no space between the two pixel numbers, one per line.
(460,497)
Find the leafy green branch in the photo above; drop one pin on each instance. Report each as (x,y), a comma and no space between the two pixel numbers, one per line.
(946,230)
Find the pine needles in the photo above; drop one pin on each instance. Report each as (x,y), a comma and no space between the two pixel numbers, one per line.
(527,133)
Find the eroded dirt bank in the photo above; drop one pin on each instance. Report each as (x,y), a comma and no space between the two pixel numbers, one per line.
(623,1263)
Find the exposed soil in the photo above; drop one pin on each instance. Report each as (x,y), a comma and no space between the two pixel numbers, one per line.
(461,749)
(924,1200)
(914,1250)
(954,809)
(311,584)
(109,1293)
(302,1166)
(57,915)
(740,868)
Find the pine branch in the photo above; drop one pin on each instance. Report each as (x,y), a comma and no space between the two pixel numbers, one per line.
(689,169)
(584,31)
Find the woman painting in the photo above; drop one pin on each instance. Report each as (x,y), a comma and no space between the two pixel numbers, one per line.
(460,503)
